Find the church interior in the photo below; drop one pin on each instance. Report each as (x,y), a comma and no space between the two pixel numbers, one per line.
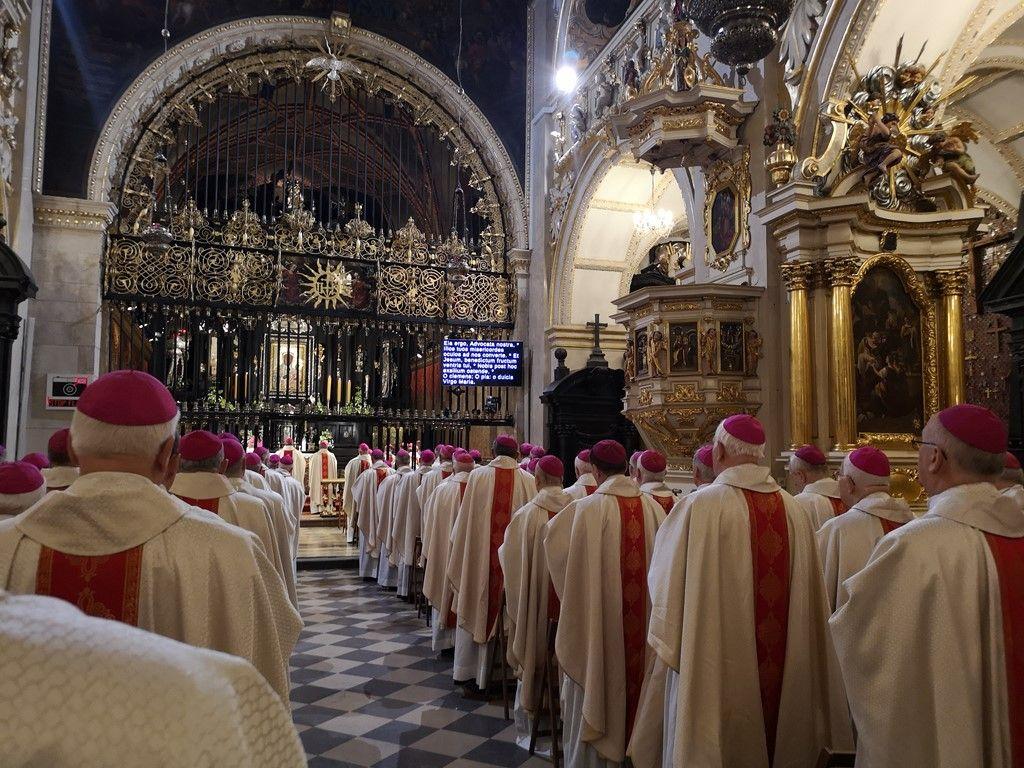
(462,383)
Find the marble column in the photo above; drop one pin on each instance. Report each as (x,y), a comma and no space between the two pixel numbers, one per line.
(838,274)
(952,283)
(797,277)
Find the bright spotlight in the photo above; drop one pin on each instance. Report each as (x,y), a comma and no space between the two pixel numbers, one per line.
(565,78)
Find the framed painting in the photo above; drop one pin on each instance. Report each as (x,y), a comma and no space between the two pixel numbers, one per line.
(730,344)
(683,349)
(726,209)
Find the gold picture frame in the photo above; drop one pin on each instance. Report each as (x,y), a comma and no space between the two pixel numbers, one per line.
(727,211)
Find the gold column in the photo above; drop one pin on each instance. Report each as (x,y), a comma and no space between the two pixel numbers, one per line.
(952,284)
(797,277)
(838,274)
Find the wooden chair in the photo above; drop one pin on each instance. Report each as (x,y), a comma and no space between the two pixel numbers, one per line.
(547,701)
(830,759)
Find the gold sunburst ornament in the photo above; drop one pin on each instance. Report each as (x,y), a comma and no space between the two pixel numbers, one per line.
(335,72)
(326,285)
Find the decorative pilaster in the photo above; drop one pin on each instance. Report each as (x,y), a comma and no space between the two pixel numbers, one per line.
(952,284)
(797,277)
(838,274)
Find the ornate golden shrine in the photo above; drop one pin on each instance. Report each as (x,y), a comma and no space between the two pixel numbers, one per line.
(692,356)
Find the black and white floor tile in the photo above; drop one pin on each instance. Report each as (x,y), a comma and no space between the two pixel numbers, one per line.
(367,690)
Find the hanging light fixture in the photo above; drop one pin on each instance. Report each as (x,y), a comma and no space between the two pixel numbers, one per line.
(742,32)
(651,219)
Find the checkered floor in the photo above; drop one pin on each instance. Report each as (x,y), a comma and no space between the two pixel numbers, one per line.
(368,691)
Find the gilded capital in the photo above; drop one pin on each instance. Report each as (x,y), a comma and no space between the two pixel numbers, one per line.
(951,282)
(797,275)
(839,271)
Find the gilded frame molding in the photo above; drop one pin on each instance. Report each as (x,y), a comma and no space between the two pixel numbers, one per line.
(733,175)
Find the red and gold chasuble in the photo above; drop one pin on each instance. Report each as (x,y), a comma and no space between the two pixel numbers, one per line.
(381,474)
(554,604)
(888,526)
(837,506)
(210,505)
(590,489)
(105,586)
(323,466)
(769,551)
(633,572)
(501,514)
(1008,555)
(363,466)
(445,474)
(667,502)
(451,619)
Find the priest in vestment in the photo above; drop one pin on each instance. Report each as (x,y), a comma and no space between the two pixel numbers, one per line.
(355,467)
(274,505)
(745,673)
(21,486)
(86,691)
(289,489)
(601,581)
(817,493)
(1011,481)
(703,471)
(585,483)
(440,471)
(387,574)
(443,507)
(524,454)
(936,677)
(529,594)
(366,514)
(634,471)
(166,566)
(478,458)
(652,467)
(845,542)
(323,465)
(493,493)
(409,522)
(297,465)
(62,472)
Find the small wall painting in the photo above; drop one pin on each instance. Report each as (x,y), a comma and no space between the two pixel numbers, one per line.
(683,357)
(731,347)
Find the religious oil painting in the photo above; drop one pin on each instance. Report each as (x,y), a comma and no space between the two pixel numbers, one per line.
(723,220)
(683,356)
(888,348)
(641,350)
(731,347)
(287,368)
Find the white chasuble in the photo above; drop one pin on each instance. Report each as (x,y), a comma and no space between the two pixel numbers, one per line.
(322,465)
(59,478)
(355,467)
(584,486)
(77,689)
(366,517)
(289,489)
(929,638)
(845,542)
(281,525)
(437,474)
(661,493)
(746,673)
(820,501)
(387,574)
(444,505)
(601,641)
(298,463)
(171,568)
(406,526)
(256,480)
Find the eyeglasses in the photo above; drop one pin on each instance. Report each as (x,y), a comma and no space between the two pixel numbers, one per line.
(918,442)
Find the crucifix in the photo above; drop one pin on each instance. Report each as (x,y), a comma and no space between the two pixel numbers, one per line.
(597,359)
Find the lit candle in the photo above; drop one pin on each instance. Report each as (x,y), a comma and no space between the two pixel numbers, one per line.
(330,379)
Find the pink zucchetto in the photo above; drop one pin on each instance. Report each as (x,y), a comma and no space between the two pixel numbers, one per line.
(273,460)
(531,465)
(128,399)
(58,442)
(538,452)
(200,446)
(287,460)
(609,452)
(402,453)
(525,449)
(253,461)
(476,455)
(426,456)
(870,460)
(364,448)
(551,466)
(324,444)
(1010,461)
(376,454)
(652,461)
(37,460)
(262,451)
(812,455)
(233,451)
(289,441)
(584,455)
(745,428)
(462,457)
(704,454)
(976,426)
(230,436)
(447,451)
(507,442)
(21,486)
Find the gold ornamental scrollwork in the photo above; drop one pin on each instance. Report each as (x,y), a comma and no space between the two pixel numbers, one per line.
(728,176)
(685,393)
(841,271)
(681,306)
(731,392)
(951,282)
(646,397)
(797,275)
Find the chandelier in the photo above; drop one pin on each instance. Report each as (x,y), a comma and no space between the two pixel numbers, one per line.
(742,32)
(650,219)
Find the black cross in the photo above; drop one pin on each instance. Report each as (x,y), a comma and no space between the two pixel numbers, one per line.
(596,359)
(597,325)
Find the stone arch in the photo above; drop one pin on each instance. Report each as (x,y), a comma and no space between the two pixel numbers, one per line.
(172,71)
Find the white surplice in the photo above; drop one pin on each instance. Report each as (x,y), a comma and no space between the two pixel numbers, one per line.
(443,505)
(59,478)
(816,500)
(702,702)
(469,562)
(921,638)
(585,485)
(353,468)
(82,692)
(387,574)
(203,581)
(661,493)
(315,467)
(845,542)
(281,527)
(432,479)
(290,490)
(256,480)
(366,514)
(589,643)
(1015,492)
(407,526)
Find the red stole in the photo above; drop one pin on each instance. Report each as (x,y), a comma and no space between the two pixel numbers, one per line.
(1008,555)
(888,526)
(590,489)
(445,474)
(381,474)
(769,551)
(210,505)
(501,513)
(363,466)
(837,506)
(323,466)
(106,586)
(633,573)
(554,604)
(667,502)
(450,619)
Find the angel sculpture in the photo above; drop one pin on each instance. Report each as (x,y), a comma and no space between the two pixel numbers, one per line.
(709,350)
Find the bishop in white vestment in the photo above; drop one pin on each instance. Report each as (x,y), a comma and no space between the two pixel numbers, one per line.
(81,691)
(493,493)
(652,467)
(355,467)
(62,472)
(21,486)
(280,521)
(745,674)
(323,465)
(387,574)
(409,522)
(297,465)
(845,542)
(929,638)
(817,493)
(154,561)
(290,490)
(366,514)
(703,471)
(585,483)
